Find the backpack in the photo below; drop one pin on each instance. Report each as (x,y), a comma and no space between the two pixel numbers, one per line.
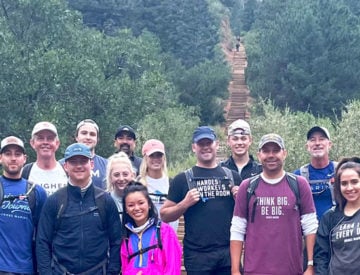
(254,182)
(29,195)
(304,171)
(146,249)
(62,200)
(189,173)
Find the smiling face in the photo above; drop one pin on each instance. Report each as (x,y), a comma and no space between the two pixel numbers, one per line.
(318,145)
(125,143)
(12,159)
(239,144)
(79,169)
(137,207)
(205,152)
(155,162)
(88,135)
(350,186)
(120,176)
(45,143)
(272,158)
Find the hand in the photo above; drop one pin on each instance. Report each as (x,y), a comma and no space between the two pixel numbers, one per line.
(234,189)
(192,197)
(310,270)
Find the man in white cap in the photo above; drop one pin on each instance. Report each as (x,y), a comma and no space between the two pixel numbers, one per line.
(320,172)
(239,140)
(46,170)
(79,229)
(273,210)
(20,206)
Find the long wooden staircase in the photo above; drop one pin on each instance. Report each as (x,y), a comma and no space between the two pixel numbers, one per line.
(239,98)
(237,106)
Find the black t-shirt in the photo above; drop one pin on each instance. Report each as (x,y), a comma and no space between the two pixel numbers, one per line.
(207,223)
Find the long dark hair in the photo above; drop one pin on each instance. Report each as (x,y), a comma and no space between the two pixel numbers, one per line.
(132,187)
(345,163)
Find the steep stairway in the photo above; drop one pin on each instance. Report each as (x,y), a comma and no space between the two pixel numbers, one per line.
(239,94)
(237,106)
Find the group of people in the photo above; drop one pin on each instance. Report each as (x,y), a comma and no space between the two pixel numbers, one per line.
(89,215)
(83,213)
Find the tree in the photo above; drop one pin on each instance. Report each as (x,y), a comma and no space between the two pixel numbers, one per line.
(52,68)
(174,127)
(307,57)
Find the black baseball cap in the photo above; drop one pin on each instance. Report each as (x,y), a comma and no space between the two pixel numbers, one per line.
(125,128)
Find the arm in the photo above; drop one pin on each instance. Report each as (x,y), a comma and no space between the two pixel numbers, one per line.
(322,250)
(310,242)
(171,250)
(114,231)
(40,200)
(45,236)
(172,211)
(236,248)
(237,236)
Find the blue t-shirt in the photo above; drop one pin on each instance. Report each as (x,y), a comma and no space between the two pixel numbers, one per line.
(321,183)
(16,227)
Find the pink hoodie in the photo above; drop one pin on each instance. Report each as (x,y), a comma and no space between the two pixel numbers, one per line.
(165,261)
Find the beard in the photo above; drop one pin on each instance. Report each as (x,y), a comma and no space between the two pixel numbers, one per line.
(125,148)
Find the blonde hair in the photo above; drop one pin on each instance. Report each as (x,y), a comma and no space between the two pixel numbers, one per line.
(116,159)
(144,169)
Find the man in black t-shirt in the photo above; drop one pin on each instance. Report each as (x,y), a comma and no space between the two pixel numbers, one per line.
(206,201)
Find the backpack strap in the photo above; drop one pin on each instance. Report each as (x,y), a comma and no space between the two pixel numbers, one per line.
(146,249)
(62,197)
(31,196)
(26,170)
(62,200)
(304,171)
(294,186)
(100,202)
(190,178)
(229,176)
(1,191)
(254,182)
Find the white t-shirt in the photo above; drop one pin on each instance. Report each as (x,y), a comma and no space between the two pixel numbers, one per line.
(50,180)
(159,186)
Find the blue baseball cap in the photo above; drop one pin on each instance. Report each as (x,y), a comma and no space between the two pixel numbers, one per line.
(203,132)
(77,149)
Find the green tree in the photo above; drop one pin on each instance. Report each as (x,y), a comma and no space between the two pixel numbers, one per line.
(52,68)
(307,57)
(174,127)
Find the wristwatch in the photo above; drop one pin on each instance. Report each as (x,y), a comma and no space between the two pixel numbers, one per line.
(310,263)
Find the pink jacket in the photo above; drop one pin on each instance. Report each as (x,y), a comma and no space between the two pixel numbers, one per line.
(165,261)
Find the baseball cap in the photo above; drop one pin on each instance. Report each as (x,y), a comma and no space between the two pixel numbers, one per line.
(320,129)
(77,149)
(125,128)
(44,125)
(83,122)
(239,127)
(274,138)
(152,146)
(12,140)
(203,132)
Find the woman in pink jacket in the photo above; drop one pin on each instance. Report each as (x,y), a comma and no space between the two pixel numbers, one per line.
(149,246)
